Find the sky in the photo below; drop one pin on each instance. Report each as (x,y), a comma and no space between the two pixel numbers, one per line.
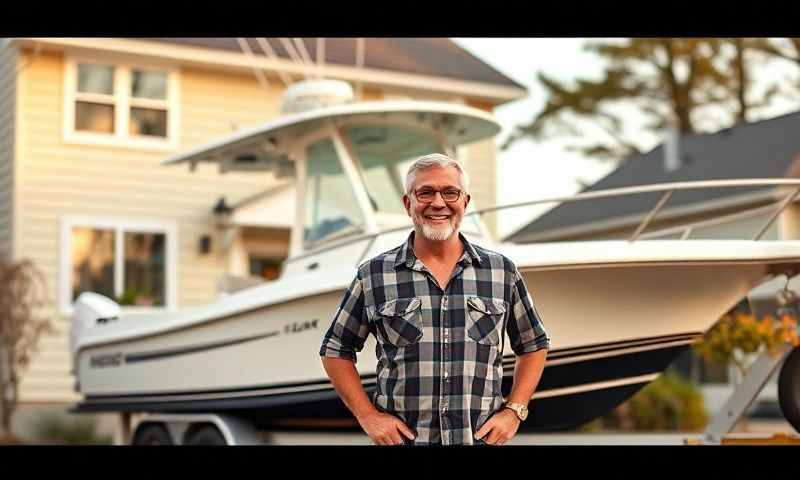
(528,169)
(531,170)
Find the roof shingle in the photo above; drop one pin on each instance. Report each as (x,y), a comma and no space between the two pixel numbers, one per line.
(765,149)
(427,56)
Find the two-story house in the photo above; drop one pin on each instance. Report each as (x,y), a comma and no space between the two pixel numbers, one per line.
(85,123)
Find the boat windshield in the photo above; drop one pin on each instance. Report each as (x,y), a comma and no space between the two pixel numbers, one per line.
(384,153)
(331,207)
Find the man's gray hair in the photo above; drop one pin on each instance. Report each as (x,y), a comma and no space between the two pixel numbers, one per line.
(435,160)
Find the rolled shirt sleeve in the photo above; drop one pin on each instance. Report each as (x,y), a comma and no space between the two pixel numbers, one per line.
(524,328)
(349,328)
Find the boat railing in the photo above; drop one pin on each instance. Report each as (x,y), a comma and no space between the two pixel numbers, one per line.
(668,189)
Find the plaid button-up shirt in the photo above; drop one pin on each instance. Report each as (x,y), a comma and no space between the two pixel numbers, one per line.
(439,351)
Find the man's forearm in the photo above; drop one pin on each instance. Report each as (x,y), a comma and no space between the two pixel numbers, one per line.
(347,382)
(527,372)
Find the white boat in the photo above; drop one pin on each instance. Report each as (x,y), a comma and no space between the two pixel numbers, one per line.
(618,311)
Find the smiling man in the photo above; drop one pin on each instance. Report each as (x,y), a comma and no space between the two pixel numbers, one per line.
(439,307)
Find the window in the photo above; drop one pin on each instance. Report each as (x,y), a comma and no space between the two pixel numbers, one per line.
(331,207)
(94,99)
(121,105)
(384,154)
(266,268)
(129,263)
(148,111)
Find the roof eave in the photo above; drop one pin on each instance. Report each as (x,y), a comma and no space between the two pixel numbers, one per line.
(188,55)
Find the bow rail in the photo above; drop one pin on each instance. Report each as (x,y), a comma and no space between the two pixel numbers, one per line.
(668,188)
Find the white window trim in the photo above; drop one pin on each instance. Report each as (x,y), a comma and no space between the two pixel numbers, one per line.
(118,225)
(122,104)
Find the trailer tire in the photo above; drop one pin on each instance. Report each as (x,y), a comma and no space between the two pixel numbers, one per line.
(789,388)
(151,434)
(205,435)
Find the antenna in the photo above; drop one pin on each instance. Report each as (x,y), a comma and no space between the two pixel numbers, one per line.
(320,54)
(257,71)
(287,45)
(270,53)
(360,50)
(314,91)
(301,47)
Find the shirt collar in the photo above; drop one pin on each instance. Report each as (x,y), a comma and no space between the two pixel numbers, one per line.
(407,256)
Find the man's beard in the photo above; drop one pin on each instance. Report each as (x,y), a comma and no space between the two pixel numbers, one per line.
(436,234)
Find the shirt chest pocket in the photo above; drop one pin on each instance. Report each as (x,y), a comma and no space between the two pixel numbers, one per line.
(399,321)
(485,317)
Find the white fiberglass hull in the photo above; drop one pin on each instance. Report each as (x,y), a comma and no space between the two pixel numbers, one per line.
(615,325)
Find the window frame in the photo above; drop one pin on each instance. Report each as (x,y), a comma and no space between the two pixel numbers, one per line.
(120,227)
(122,102)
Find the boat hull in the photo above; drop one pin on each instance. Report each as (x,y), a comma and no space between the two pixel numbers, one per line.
(575,388)
(264,364)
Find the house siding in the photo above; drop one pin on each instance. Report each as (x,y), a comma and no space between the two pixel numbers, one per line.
(481,166)
(62,180)
(57,180)
(9,57)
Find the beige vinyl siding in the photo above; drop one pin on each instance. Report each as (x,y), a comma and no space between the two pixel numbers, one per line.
(481,166)
(58,180)
(9,57)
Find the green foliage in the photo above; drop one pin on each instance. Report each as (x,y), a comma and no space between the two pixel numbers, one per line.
(128,297)
(132,296)
(667,403)
(54,428)
(671,81)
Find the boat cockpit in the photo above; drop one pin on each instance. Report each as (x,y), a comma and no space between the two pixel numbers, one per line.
(349,164)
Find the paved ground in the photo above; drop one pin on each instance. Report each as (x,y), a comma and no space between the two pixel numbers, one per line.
(605,438)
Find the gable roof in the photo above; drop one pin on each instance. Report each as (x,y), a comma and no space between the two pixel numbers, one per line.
(765,149)
(439,57)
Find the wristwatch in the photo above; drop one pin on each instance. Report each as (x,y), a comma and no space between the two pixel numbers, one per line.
(518,408)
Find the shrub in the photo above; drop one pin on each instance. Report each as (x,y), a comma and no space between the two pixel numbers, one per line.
(667,403)
(54,428)
(736,337)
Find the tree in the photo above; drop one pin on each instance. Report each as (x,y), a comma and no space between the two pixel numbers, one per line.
(786,50)
(737,336)
(22,294)
(673,82)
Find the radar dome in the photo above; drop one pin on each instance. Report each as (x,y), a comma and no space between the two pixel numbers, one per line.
(310,94)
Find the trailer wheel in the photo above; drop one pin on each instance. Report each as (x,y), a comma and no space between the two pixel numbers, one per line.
(204,435)
(151,434)
(789,388)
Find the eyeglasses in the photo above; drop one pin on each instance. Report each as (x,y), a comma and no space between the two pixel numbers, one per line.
(426,195)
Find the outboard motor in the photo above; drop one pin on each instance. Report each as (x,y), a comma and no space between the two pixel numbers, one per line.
(90,310)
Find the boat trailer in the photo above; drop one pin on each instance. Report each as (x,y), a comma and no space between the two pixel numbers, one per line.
(723,422)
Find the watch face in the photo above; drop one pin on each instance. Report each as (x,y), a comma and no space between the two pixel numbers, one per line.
(523,413)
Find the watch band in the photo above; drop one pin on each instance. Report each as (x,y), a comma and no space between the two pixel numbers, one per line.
(519,409)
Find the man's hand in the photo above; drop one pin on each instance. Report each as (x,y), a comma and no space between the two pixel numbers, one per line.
(385,429)
(500,428)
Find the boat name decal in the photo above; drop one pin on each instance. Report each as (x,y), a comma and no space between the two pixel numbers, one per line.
(296,327)
(104,360)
